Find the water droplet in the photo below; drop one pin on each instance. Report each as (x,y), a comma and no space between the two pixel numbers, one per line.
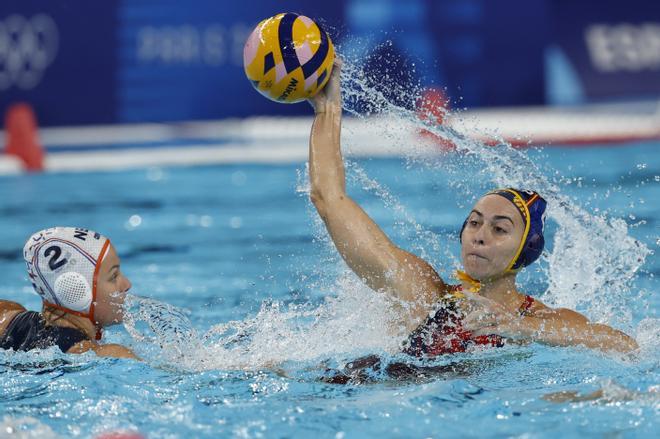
(191,220)
(155,174)
(238,178)
(133,222)
(235,222)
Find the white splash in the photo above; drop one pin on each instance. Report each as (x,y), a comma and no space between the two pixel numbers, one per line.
(354,321)
(593,259)
(648,338)
(26,427)
(592,264)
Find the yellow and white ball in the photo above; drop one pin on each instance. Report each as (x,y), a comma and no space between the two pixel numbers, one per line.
(288,58)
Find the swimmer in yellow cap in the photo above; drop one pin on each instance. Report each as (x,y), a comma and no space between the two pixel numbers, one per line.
(77,274)
(502,233)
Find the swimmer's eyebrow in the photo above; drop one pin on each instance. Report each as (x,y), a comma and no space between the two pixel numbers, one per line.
(495,218)
(501,217)
(113,267)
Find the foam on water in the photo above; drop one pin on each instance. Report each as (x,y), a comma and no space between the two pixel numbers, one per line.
(354,321)
(648,338)
(593,259)
(591,265)
(25,428)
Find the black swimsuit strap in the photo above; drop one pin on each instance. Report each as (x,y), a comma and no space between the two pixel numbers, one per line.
(28,330)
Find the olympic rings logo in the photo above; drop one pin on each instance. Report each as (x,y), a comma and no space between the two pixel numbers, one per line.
(27,48)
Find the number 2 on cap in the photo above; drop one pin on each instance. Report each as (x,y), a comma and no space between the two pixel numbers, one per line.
(54,264)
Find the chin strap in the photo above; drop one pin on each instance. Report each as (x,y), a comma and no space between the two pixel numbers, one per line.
(474,285)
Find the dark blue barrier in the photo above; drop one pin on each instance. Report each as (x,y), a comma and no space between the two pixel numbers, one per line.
(85,62)
(184,60)
(60,57)
(80,62)
(613,47)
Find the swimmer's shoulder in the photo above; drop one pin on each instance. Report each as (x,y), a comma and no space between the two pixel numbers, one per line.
(8,311)
(8,306)
(102,350)
(540,310)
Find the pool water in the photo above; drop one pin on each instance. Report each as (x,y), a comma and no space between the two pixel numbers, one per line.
(249,304)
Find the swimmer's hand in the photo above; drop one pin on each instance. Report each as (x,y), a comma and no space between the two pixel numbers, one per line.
(554,327)
(330,97)
(487,317)
(103,350)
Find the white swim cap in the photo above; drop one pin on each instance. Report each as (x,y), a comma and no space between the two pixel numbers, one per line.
(63,264)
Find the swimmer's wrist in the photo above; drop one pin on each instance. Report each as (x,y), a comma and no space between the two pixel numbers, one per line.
(520,328)
(327,109)
(530,328)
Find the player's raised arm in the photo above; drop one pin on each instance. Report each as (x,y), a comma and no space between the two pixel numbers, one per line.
(359,240)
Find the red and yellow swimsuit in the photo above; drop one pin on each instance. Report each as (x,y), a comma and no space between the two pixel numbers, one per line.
(443,332)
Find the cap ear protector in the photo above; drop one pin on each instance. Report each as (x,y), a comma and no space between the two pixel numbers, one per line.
(531,251)
(532,209)
(72,291)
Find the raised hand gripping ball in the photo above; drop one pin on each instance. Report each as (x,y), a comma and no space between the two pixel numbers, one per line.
(288,58)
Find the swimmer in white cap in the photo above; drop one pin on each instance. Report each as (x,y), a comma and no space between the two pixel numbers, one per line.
(77,274)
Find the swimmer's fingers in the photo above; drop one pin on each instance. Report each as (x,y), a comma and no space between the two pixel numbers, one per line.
(487,317)
(477,299)
(480,316)
(489,330)
(330,96)
(478,304)
(333,87)
(478,320)
(513,328)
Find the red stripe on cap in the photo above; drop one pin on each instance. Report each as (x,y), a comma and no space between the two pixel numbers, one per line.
(531,200)
(95,279)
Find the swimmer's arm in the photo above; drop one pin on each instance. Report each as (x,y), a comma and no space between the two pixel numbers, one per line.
(104,350)
(8,305)
(8,311)
(555,327)
(362,244)
(565,327)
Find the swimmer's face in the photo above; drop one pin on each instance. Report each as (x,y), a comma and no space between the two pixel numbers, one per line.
(491,237)
(111,288)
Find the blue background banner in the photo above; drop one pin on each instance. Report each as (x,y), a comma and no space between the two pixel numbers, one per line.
(60,57)
(185,60)
(613,47)
(82,62)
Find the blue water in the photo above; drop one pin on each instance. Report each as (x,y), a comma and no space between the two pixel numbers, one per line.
(240,245)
